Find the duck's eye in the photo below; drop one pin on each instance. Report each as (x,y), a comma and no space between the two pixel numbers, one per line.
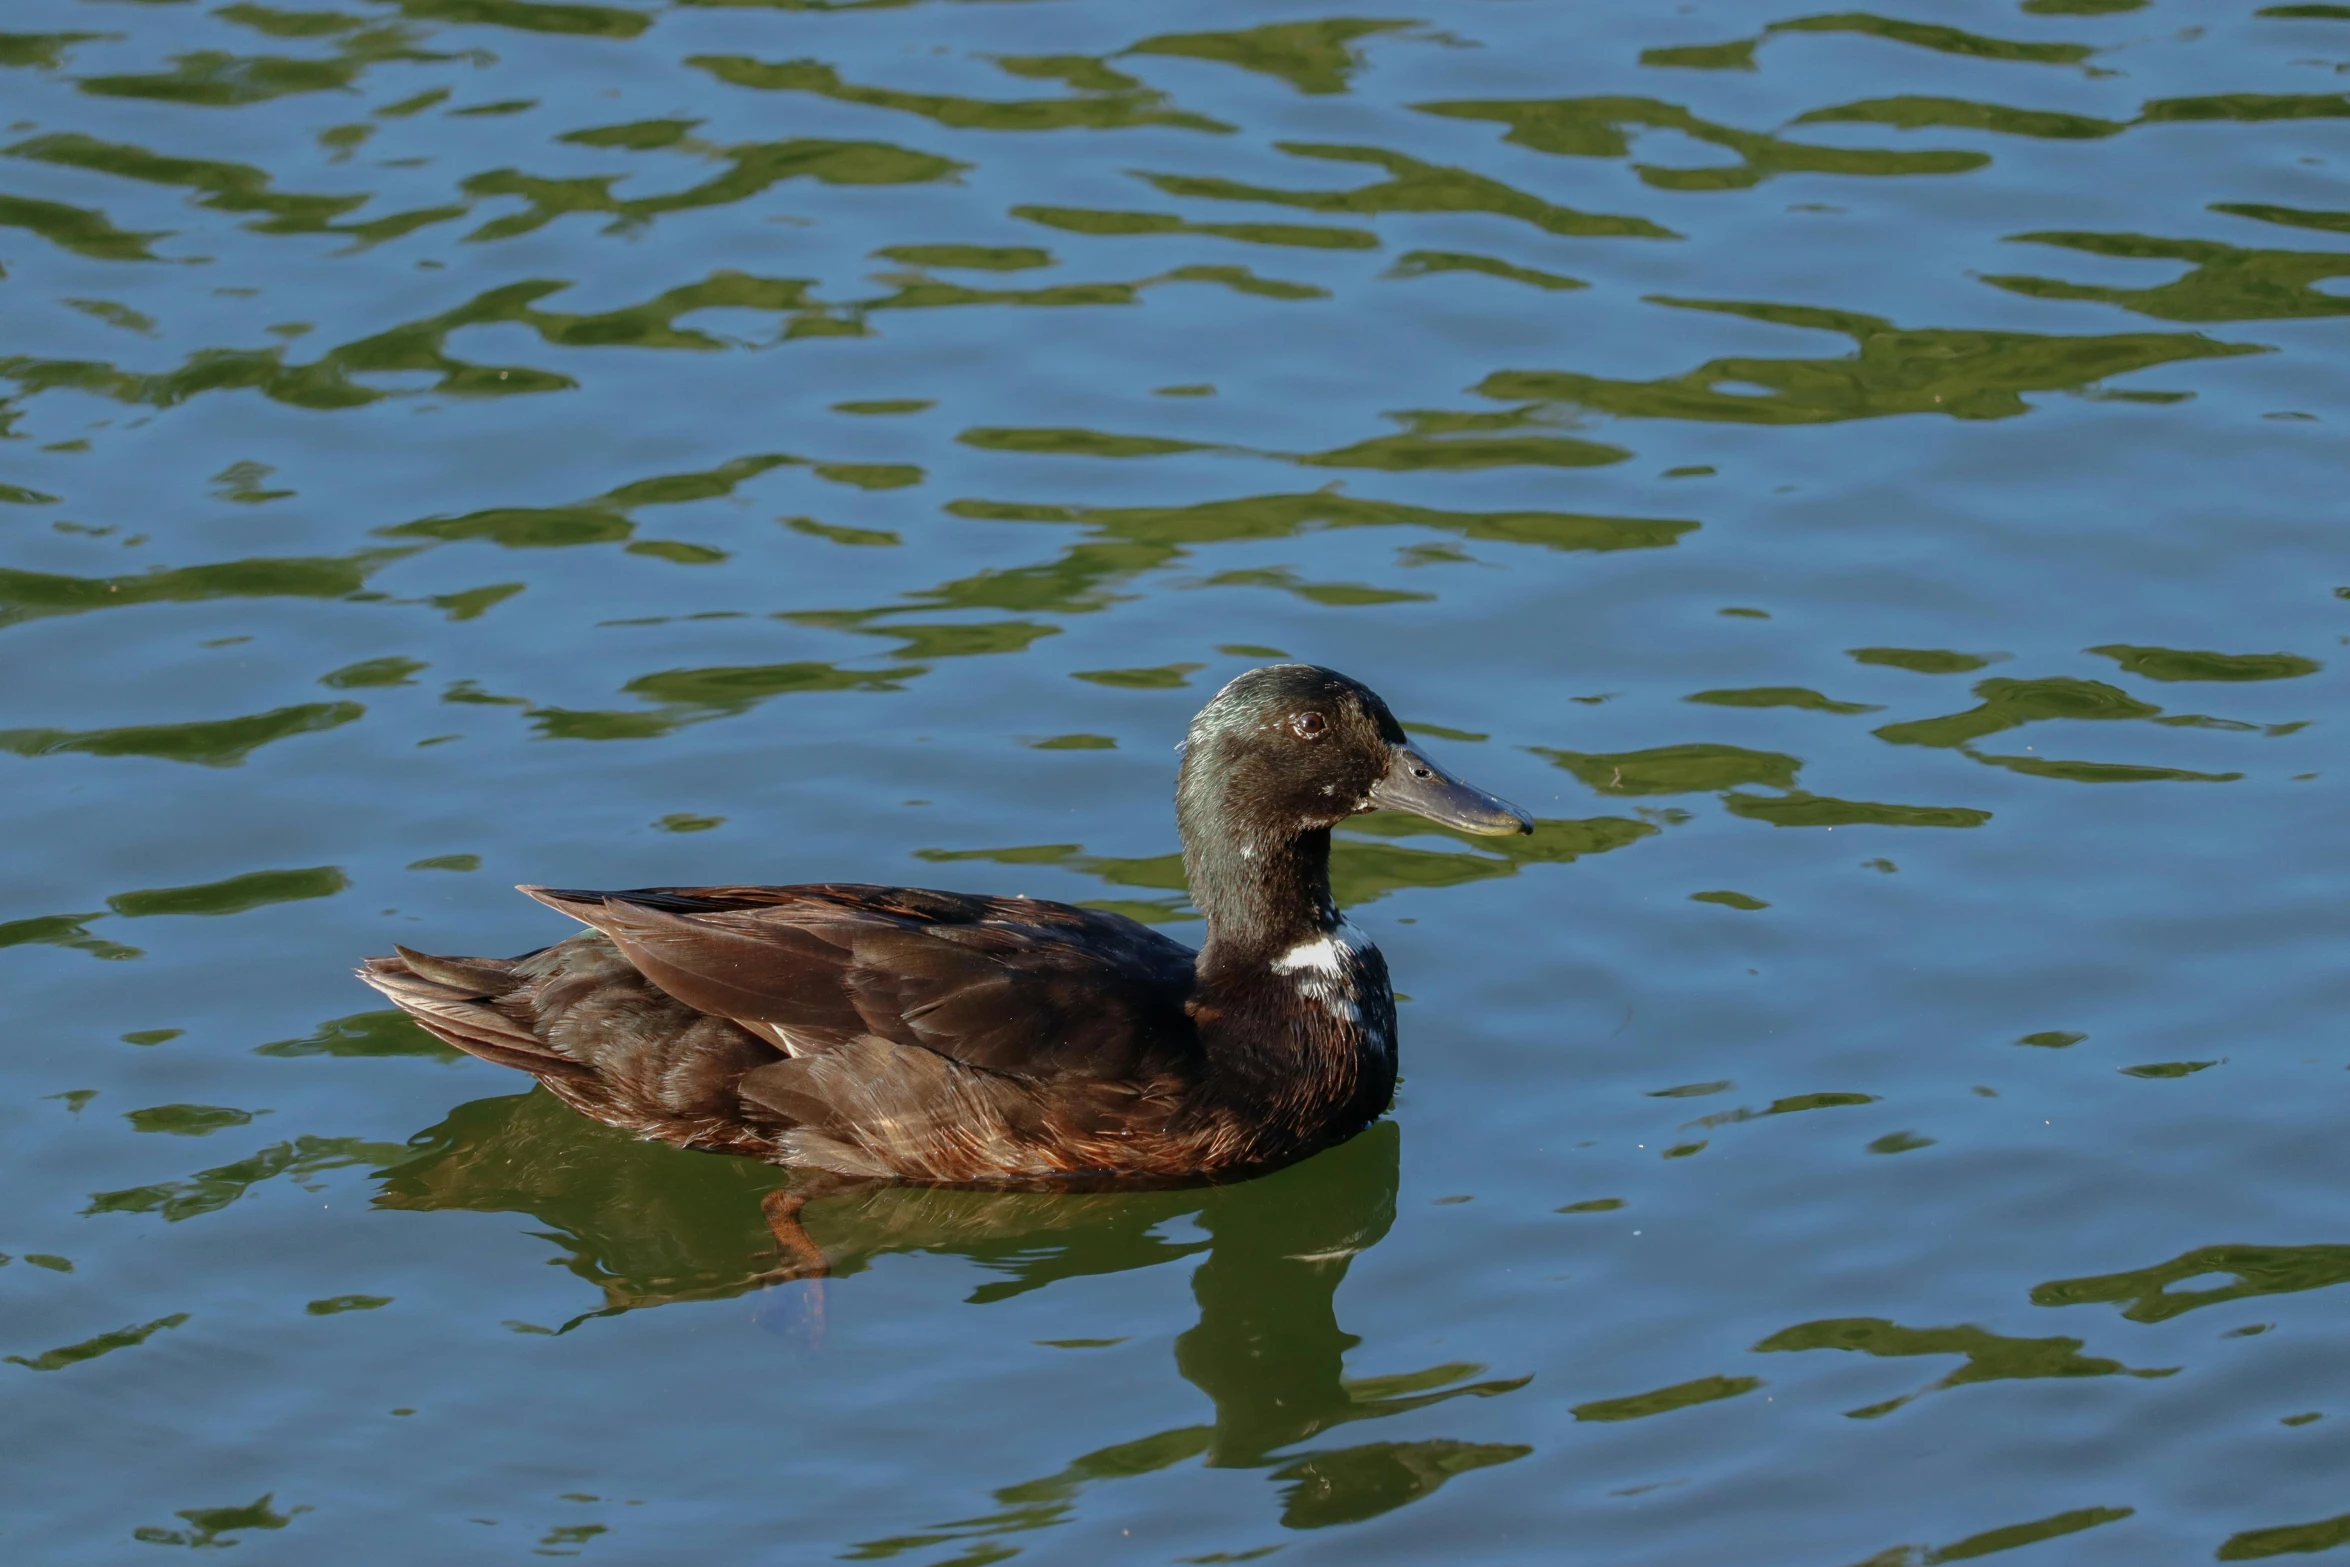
(1309,726)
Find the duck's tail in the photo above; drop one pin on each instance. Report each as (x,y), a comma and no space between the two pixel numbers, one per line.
(456,1000)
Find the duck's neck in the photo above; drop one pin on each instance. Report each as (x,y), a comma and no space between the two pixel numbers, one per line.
(1292,1005)
(1258,877)
(1264,894)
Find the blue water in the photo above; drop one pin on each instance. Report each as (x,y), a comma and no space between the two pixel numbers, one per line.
(1871,483)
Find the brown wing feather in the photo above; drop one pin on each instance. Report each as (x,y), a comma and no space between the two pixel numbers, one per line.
(922,1035)
(1012,985)
(727,966)
(585,1022)
(463,1014)
(905,1110)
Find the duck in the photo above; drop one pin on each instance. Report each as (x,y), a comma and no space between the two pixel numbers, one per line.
(905,1035)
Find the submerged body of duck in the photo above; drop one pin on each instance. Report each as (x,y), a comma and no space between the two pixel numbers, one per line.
(946,1038)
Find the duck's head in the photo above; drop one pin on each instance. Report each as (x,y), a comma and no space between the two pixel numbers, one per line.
(1295,748)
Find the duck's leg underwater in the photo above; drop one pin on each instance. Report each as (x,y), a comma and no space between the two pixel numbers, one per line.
(803,1258)
(792,1305)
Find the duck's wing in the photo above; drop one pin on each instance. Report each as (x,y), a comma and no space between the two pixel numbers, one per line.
(1021,987)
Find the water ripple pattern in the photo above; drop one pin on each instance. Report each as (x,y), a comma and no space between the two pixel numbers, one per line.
(1871,482)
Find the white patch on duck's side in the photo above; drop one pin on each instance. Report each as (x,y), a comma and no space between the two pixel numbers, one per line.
(1324,969)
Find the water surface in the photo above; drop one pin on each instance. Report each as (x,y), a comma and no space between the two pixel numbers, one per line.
(1870,482)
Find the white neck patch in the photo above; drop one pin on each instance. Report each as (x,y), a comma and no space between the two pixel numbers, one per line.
(1323,971)
(1326,954)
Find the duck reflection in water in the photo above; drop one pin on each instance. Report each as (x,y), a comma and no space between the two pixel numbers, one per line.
(649,1225)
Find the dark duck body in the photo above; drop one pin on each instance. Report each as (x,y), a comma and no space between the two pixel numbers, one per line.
(902,1034)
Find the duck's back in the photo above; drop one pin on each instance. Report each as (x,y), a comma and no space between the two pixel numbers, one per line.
(870,1030)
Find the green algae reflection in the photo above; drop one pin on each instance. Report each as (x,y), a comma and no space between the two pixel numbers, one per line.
(1313,57)
(208,1191)
(1126,104)
(1434,440)
(1412,186)
(1069,442)
(1602,127)
(1442,440)
(2148,1294)
(686,696)
(81,230)
(1428,263)
(980,258)
(2162,663)
(1709,768)
(32,595)
(1677,769)
(2225,282)
(235,895)
(1965,374)
(1303,236)
(2286,1539)
(2098,772)
(42,51)
(224,742)
(1989,1357)
(1923,660)
(1919,112)
(1665,1400)
(601,520)
(1801,809)
(364,1036)
(222,186)
(71,931)
(92,1348)
(2009,1536)
(373,674)
(2007,704)
(187,1120)
(751,168)
(1156,535)
(1780,696)
(1738,54)
(213,1527)
(565,17)
(1912,111)
(219,79)
(1791,1104)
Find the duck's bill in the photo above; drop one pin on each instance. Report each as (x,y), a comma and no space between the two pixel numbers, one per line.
(1413,783)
